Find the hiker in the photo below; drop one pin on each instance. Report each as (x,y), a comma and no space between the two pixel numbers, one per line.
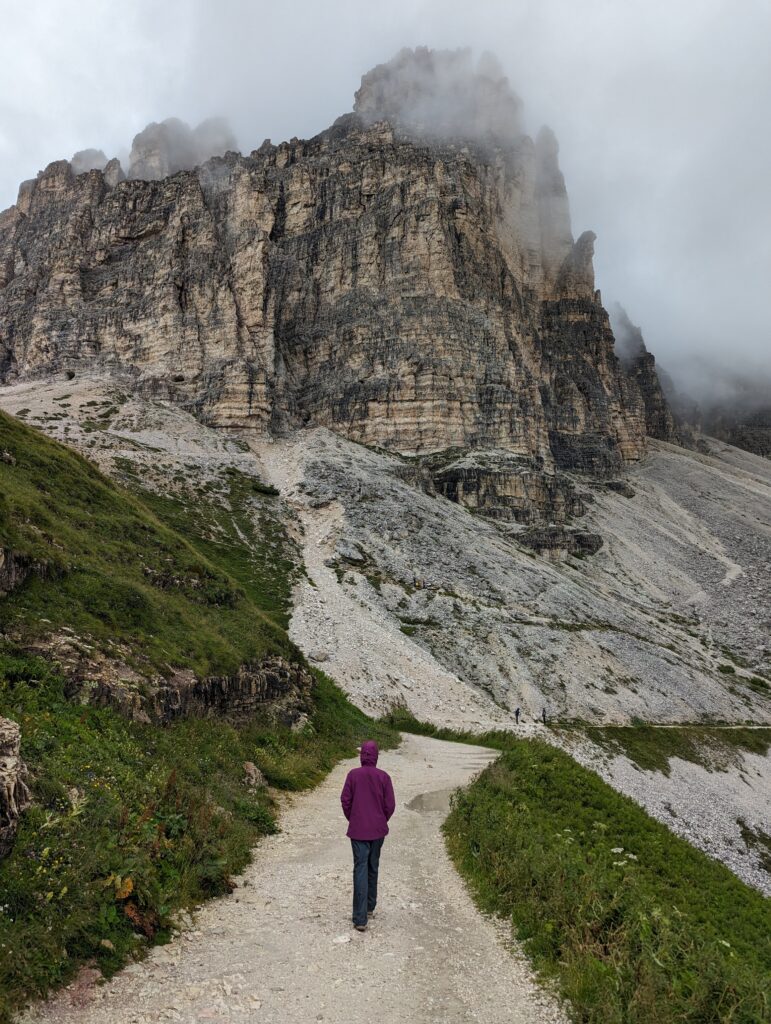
(543,716)
(368,802)
(516,715)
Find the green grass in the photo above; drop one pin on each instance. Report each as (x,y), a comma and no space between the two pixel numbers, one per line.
(132,822)
(652,747)
(236,528)
(631,923)
(121,574)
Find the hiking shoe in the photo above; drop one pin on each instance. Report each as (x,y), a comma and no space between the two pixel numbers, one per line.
(370,913)
(360,927)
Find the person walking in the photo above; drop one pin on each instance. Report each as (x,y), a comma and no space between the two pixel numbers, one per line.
(368,802)
(516,715)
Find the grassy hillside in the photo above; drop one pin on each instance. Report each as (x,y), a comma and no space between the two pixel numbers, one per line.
(131,822)
(633,924)
(123,575)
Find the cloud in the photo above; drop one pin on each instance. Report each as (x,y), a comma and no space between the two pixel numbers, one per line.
(442,94)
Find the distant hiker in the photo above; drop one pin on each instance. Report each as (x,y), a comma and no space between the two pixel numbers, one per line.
(516,716)
(368,802)
(543,715)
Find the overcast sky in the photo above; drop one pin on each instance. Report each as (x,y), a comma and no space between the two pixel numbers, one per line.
(662,109)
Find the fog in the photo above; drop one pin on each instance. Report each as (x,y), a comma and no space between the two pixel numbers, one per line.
(661,111)
(443,94)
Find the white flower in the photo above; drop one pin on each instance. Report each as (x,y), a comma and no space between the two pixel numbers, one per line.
(617,849)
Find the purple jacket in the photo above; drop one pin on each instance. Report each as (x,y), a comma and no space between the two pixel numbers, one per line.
(368,797)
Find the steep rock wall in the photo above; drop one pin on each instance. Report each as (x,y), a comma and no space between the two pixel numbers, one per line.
(409,293)
(386,289)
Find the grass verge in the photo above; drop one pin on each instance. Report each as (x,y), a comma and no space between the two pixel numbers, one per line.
(131,823)
(631,923)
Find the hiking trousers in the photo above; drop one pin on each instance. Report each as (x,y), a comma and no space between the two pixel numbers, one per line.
(366,860)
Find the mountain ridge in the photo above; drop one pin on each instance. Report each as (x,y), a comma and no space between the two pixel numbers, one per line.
(415,294)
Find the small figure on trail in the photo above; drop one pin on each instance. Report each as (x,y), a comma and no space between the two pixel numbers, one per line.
(543,715)
(368,802)
(516,715)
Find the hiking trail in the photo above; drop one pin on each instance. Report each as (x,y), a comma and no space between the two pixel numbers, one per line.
(281,949)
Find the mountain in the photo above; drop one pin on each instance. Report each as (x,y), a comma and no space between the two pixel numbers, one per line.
(414,291)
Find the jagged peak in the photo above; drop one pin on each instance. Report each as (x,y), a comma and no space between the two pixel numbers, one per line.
(442,94)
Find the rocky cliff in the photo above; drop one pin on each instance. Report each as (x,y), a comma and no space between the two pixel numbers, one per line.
(640,365)
(411,289)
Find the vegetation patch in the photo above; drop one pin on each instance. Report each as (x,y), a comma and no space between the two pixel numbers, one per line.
(630,922)
(651,748)
(633,923)
(178,585)
(130,823)
(757,840)
(133,822)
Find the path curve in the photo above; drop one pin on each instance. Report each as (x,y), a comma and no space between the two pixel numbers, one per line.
(281,949)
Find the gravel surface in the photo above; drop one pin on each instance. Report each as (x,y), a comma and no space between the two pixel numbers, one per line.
(411,598)
(281,948)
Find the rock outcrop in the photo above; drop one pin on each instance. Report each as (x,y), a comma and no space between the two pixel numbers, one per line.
(273,686)
(640,365)
(88,160)
(163,149)
(410,292)
(14,792)
(15,568)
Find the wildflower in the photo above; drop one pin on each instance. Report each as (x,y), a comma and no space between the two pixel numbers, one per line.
(617,849)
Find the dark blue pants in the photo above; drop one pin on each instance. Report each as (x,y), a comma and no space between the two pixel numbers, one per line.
(366,859)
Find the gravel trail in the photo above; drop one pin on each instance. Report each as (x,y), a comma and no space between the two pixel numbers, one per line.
(281,948)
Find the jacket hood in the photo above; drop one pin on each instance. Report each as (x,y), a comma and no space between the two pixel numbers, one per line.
(369,752)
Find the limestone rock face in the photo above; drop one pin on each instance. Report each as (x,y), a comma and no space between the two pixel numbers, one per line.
(640,365)
(272,686)
(15,568)
(441,94)
(163,149)
(414,294)
(88,160)
(553,207)
(14,793)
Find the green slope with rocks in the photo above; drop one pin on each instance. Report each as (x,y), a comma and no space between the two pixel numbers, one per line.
(131,820)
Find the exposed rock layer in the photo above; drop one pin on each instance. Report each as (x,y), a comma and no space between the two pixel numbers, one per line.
(14,794)
(273,686)
(15,568)
(640,365)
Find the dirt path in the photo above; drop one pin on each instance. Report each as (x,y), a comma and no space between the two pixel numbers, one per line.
(281,949)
